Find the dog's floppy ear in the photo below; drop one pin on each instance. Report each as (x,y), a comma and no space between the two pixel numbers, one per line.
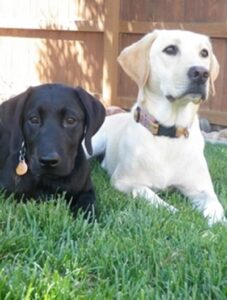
(214,72)
(94,114)
(134,59)
(11,117)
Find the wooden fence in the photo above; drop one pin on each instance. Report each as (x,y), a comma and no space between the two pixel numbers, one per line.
(77,42)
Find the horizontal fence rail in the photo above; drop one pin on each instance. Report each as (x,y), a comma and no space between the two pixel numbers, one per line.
(77,43)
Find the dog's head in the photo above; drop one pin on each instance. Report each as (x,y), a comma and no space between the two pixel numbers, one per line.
(174,64)
(52,120)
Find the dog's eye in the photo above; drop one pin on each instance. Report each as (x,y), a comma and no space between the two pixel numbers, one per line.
(171,50)
(204,53)
(69,121)
(34,120)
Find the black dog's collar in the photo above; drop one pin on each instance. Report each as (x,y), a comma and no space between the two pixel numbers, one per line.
(22,166)
(150,123)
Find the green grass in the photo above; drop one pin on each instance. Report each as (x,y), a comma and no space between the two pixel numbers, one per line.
(132,251)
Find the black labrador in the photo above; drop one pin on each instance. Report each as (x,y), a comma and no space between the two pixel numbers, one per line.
(41,152)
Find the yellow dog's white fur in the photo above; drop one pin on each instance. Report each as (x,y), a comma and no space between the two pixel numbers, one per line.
(140,163)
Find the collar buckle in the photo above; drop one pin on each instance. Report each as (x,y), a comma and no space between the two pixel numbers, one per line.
(181,131)
(154,127)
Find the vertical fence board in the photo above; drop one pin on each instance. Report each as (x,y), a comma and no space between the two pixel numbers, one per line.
(111,36)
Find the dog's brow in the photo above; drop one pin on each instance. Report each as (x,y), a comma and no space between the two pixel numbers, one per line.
(35,109)
(68,111)
(174,42)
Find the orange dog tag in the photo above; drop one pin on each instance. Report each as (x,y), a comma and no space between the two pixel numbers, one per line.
(22,168)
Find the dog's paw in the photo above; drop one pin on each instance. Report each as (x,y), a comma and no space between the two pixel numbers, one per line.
(214,213)
(173,209)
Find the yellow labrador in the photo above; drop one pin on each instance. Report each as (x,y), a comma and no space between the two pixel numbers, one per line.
(159,144)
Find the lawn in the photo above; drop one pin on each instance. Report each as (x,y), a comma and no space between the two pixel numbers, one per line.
(132,251)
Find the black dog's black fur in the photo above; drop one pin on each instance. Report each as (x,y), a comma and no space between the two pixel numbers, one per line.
(52,120)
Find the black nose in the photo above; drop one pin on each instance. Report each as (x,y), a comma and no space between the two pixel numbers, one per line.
(51,160)
(198,75)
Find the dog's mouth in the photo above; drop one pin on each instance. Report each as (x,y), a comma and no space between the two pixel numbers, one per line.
(194,93)
(187,97)
(38,174)
(49,172)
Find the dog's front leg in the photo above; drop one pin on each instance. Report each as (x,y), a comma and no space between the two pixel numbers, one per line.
(143,192)
(147,194)
(84,202)
(199,189)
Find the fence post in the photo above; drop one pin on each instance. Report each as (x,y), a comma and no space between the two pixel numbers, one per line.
(111,45)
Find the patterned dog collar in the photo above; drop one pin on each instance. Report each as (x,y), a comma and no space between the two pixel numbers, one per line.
(150,123)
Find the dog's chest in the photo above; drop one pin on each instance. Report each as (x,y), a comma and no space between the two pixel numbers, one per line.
(160,162)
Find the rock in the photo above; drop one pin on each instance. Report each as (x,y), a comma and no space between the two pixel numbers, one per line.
(222,134)
(218,137)
(204,125)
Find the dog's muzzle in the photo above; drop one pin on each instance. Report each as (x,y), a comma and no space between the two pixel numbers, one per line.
(197,87)
(198,77)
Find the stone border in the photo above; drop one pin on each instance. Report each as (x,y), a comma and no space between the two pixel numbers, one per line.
(216,137)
